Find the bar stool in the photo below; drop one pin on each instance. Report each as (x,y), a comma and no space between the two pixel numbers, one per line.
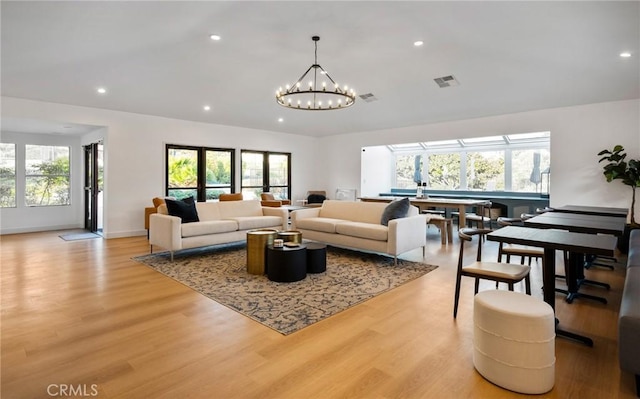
(445,226)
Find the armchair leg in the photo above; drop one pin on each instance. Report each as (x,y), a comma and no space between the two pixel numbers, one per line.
(151,248)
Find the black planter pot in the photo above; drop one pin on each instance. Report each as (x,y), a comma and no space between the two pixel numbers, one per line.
(623,242)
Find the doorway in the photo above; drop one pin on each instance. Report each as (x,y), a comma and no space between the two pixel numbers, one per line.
(93,186)
(264,171)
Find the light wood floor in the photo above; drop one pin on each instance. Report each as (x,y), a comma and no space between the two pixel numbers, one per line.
(82,313)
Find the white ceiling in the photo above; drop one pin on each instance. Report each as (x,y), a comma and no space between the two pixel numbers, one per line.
(156,58)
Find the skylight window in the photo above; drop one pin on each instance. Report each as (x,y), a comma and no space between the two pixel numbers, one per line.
(483,140)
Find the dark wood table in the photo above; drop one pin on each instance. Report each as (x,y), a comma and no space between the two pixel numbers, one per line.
(579,223)
(593,210)
(552,240)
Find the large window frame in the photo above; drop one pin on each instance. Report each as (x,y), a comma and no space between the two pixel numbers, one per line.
(47,176)
(8,168)
(266,184)
(508,145)
(203,189)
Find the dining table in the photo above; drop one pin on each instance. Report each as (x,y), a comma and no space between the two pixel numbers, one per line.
(460,204)
(593,210)
(552,240)
(579,223)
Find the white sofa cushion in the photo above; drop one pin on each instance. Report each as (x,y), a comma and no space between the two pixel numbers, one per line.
(364,212)
(369,231)
(231,209)
(208,211)
(208,227)
(256,222)
(326,225)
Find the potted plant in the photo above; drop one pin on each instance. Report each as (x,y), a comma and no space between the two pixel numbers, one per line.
(628,171)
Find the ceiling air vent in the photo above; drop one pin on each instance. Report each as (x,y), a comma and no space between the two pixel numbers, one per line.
(368,97)
(446,81)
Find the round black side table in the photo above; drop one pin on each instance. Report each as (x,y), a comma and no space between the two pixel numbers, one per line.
(287,264)
(316,257)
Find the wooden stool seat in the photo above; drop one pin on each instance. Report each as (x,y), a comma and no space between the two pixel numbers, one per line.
(445,227)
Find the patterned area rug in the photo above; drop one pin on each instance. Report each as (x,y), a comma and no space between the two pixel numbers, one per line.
(220,273)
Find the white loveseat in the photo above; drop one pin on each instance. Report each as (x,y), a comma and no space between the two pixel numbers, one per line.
(220,223)
(355,224)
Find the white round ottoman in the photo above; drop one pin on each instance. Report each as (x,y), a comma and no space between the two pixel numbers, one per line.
(514,341)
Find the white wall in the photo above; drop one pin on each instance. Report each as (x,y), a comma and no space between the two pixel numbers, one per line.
(376,170)
(134,151)
(577,135)
(134,154)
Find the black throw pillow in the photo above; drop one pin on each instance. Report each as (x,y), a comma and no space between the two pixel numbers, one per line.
(185,209)
(316,199)
(395,210)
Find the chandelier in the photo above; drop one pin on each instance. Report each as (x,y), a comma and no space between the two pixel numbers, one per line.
(316,95)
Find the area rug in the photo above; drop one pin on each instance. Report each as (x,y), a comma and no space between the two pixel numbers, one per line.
(351,278)
(79,236)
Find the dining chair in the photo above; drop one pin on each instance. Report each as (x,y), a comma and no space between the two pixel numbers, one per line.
(509,273)
(509,250)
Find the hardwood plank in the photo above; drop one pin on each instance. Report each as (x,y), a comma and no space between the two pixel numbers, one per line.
(82,312)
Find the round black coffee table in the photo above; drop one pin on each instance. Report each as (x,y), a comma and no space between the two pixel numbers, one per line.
(287,264)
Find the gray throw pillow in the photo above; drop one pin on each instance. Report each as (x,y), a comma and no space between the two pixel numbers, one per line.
(395,210)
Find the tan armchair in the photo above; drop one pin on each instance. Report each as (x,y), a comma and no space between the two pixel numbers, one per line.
(269,200)
(148,211)
(231,197)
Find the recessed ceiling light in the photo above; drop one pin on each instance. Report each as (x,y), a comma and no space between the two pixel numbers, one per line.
(626,54)
(215,37)
(101,90)
(280,119)
(418,43)
(206,108)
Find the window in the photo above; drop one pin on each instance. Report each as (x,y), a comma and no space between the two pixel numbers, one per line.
(527,167)
(266,172)
(485,170)
(513,163)
(199,172)
(444,171)
(47,175)
(7,175)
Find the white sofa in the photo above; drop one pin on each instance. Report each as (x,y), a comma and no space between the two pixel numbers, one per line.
(355,224)
(220,223)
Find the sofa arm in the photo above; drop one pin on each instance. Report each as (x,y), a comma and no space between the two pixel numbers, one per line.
(165,231)
(406,234)
(629,322)
(281,212)
(303,214)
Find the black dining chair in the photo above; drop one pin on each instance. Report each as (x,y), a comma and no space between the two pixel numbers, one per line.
(509,273)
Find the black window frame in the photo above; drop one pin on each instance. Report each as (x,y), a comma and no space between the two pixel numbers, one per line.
(201,188)
(266,186)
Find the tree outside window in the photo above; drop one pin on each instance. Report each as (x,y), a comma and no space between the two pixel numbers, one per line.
(7,175)
(200,172)
(444,171)
(47,175)
(485,170)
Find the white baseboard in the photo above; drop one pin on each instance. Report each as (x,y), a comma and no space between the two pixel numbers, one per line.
(37,229)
